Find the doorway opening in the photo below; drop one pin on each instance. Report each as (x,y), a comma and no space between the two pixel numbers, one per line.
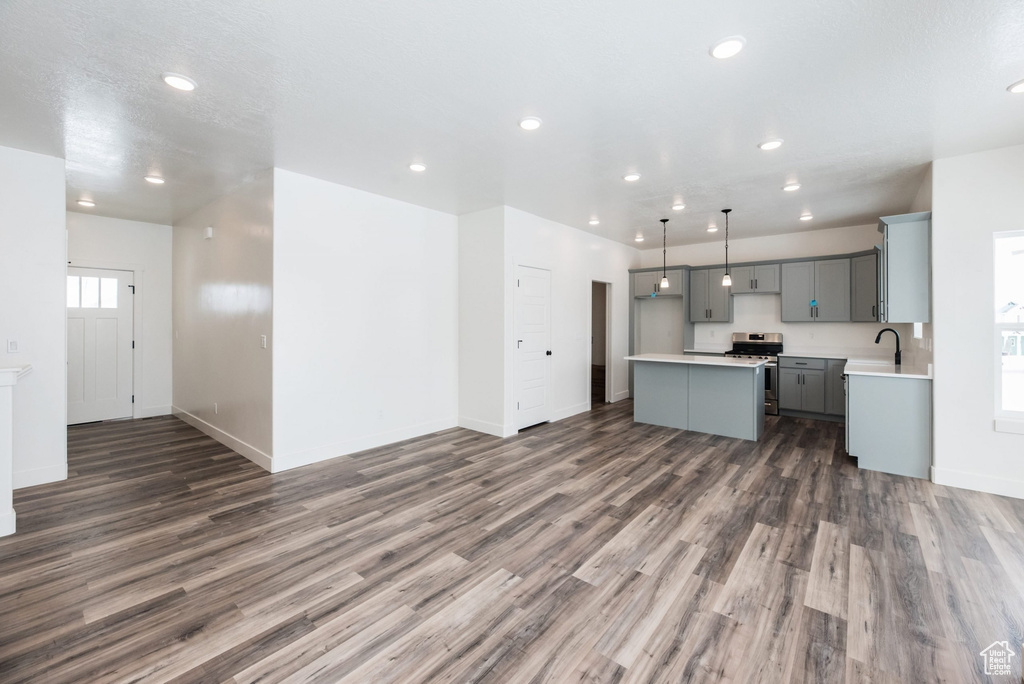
(100,340)
(600,344)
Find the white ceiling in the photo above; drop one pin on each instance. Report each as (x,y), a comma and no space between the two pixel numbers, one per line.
(864,93)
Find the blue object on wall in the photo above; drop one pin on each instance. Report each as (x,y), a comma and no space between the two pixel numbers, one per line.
(814,302)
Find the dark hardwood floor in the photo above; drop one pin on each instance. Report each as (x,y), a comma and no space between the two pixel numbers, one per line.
(593,549)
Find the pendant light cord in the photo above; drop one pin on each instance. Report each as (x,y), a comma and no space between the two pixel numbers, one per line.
(726,212)
(664,252)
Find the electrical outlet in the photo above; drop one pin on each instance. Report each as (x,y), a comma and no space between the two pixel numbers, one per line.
(12,346)
(263,341)
(712,333)
(215,408)
(812,335)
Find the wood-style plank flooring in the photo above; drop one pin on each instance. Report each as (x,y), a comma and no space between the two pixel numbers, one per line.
(593,549)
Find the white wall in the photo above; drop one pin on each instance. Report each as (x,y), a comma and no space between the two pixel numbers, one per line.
(575,259)
(598,328)
(482,321)
(790,246)
(365,320)
(222,291)
(145,248)
(33,269)
(973,196)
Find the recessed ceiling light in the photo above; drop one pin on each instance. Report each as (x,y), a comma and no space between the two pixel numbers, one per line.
(712,229)
(678,206)
(417,167)
(639,237)
(1017,87)
(631,177)
(773,144)
(728,47)
(791,187)
(530,123)
(178,81)
(594,222)
(806,217)
(155,180)
(87,203)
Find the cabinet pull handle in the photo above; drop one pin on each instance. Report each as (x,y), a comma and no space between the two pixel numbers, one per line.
(755,283)
(751,284)
(873,314)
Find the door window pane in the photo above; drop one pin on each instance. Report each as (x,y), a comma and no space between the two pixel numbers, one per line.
(73,301)
(1013,370)
(108,293)
(90,293)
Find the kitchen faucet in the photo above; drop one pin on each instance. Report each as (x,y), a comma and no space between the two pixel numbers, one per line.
(899,354)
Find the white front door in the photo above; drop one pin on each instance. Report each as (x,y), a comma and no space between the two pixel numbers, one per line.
(99,345)
(532,346)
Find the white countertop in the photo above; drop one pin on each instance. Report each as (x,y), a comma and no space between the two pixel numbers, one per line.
(888,370)
(697,360)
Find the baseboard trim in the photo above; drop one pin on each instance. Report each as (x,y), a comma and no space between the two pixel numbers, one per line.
(40,476)
(298,459)
(571,411)
(619,396)
(977,482)
(153,411)
(258,457)
(495,429)
(7,523)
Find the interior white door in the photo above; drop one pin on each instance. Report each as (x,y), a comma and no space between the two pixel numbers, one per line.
(100,353)
(532,368)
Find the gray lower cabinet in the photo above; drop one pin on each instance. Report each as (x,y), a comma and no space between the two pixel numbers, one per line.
(759,278)
(648,283)
(864,284)
(835,394)
(816,291)
(889,424)
(802,385)
(709,299)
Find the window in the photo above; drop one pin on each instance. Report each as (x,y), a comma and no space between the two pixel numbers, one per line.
(92,293)
(1009,318)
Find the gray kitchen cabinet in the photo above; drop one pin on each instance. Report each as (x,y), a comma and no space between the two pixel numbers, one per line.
(709,299)
(816,291)
(797,292)
(864,284)
(906,268)
(889,424)
(648,283)
(758,278)
(802,384)
(835,394)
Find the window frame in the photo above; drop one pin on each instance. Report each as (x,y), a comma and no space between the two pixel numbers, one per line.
(1006,420)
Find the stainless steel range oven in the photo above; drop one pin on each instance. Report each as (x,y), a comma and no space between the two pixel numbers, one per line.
(766,346)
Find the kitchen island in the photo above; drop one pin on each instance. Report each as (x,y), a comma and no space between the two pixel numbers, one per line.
(716,395)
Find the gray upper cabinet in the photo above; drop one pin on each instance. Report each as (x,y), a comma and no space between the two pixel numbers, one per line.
(832,290)
(760,278)
(816,291)
(709,299)
(905,268)
(797,292)
(864,281)
(648,283)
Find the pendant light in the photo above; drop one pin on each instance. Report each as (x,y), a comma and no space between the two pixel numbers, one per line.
(726,279)
(664,258)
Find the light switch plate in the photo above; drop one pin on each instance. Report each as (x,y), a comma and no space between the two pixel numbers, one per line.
(12,346)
